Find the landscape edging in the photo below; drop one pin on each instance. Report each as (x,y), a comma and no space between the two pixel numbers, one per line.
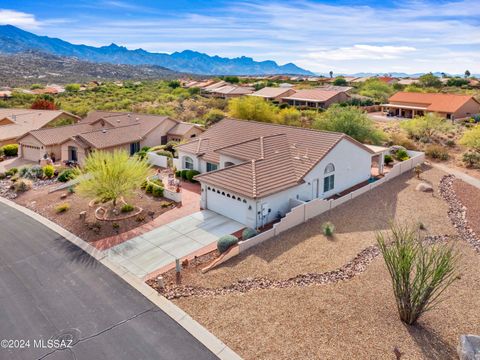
(210,341)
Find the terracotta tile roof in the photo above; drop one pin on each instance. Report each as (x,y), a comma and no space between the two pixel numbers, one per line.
(105,138)
(123,128)
(182,128)
(58,135)
(272,92)
(318,95)
(232,90)
(435,102)
(25,120)
(276,156)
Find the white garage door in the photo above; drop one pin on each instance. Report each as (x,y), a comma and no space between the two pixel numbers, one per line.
(31,152)
(227,204)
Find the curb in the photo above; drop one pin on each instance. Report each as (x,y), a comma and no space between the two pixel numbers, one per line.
(205,337)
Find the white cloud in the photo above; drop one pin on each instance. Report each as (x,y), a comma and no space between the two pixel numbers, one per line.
(357,52)
(18,18)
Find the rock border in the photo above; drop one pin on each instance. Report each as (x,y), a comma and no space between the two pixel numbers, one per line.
(457,212)
(348,271)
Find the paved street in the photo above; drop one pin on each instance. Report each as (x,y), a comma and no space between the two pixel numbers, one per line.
(49,288)
(155,249)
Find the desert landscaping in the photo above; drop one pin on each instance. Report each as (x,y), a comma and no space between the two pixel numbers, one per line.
(304,285)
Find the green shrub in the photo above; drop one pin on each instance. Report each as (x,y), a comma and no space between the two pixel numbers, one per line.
(144,185)
(22,185)
(127,208)
(178,173)
(31,172)
(157,191)
(165,204)
(388,159)
(225,242)
(149,188)
(471,159)
(248,233)
(61,208)
(183,174)
(165,153)
(2,175)
(11,171)
(402,155)
(436,152)
(190,174)
(10,150)
(328,228)
(48,171)
(66,175)
(419,273)
(450,143)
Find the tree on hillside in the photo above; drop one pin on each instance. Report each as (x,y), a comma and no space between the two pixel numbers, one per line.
(252,108)
(425,127)
(174,84)
(43,103)
(340,81)
(376,89)
(107,176)
(232,79)
(457,81)
(349,120)
(72,87)
(331,74)
(471,138)
(467,73)
(429,80)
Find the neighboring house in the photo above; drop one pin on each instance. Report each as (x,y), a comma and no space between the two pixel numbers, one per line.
(388,79)
(103,131)
(273,93)
(17,122)
(230,91)
(253,171)
(407,82)
(449,106)
(315,98)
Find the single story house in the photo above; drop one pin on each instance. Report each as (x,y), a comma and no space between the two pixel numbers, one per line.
(103,131)
(17,122)
(230,91)
(273,93)
(449,106)
(316,98)
(251,171)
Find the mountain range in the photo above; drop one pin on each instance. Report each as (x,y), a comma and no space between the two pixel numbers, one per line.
(15,41)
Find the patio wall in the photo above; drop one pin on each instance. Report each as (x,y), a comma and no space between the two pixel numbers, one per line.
(162,161)
(303,211)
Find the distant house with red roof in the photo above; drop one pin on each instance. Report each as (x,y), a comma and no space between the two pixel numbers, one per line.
(449,106)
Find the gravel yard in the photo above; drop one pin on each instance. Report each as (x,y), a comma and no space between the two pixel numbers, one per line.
(305,249)
(470,197)
(353,319)
(44,203)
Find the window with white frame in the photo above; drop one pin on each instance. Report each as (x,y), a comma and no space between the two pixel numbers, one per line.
(188,163)
(329,179)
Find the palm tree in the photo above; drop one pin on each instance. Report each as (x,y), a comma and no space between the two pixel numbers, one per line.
(331,74)
(467,74)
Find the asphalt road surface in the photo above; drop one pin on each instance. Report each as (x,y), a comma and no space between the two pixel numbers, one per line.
(52,290)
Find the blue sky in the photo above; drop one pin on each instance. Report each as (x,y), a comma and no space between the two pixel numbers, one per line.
(342,36)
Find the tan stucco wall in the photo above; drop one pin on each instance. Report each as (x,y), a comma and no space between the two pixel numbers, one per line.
(470,108)
(154,137)
(64,151)
(340,97)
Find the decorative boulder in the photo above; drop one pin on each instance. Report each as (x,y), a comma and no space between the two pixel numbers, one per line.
(424,187)
(469,347)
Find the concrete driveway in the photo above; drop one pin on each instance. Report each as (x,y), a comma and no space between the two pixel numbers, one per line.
(51,289)
(153,250)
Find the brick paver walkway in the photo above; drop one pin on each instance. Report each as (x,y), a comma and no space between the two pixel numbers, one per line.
(190,204)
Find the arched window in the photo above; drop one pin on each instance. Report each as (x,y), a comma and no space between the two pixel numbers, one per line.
(329,179)
(229,163)
(188,163)
(329,168)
